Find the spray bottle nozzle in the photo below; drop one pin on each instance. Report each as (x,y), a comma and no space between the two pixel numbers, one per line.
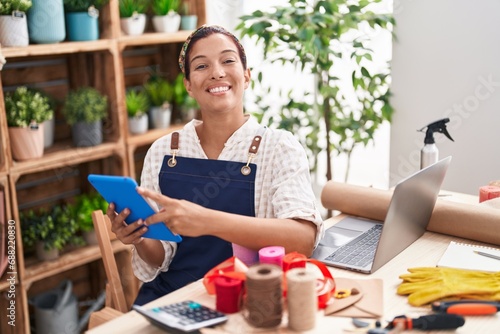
(438,126)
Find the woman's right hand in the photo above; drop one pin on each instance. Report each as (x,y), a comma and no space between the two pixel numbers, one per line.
(127,234)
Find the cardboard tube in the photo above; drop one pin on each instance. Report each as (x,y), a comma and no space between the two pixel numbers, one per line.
(471,221)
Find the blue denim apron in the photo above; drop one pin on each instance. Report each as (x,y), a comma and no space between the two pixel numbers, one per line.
(215,184)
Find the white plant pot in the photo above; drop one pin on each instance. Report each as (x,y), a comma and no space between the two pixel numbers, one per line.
(48,132)
(167,23)
(14,30)
(138,124)
(134,25)
(159,117)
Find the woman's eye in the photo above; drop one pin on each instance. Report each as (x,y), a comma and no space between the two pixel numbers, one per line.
(200,67)
(229,61)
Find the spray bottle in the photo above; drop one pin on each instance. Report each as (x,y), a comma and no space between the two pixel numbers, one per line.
(430,153)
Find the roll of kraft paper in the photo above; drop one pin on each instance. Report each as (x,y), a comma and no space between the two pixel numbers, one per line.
(479,222)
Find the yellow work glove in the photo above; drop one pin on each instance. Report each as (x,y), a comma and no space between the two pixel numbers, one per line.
(425,285)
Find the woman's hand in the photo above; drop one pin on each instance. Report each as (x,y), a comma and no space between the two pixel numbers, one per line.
(181,217)
(127,234)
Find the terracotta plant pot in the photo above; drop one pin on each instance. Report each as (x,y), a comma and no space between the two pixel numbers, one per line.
(26,142)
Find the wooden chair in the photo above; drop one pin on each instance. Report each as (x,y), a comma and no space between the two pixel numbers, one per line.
(115,297)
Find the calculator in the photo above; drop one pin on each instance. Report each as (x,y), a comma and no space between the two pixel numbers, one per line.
(183,317)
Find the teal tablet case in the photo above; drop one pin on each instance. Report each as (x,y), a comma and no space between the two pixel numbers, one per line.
(121,190)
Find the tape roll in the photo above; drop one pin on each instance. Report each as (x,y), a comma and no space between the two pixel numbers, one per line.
(272,255)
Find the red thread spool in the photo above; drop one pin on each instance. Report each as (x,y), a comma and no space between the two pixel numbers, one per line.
(228,294)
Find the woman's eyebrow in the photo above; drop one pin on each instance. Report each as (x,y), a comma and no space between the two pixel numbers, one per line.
(222,52)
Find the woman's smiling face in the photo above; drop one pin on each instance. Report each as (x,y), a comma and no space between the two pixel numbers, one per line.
(217,79)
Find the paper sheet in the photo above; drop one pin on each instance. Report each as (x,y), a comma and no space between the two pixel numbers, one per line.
(479,222)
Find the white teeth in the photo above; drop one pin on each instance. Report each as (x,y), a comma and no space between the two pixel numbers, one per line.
(219,89)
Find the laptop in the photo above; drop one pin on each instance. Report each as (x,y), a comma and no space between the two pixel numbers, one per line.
(365,245)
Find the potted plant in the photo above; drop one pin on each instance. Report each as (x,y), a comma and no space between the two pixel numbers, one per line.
(186,105)
(137,104)
(160,94)
(318,38)
(46,21)
(84,205)
(50,231)
(13,22)
(133,17)
(189,21)
(82,19)
(27,110)
(84,110)
(166,15)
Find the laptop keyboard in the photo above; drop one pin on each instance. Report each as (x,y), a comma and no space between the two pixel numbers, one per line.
(360,251)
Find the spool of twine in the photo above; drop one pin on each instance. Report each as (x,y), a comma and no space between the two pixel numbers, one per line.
(301,299)
(264,295)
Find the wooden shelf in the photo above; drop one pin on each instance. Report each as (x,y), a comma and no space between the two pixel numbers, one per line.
(150,136)
(36,270)
(64,155)
(57,48)
(153,38)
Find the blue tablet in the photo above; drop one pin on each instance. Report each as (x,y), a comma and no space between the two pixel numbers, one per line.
(121,190)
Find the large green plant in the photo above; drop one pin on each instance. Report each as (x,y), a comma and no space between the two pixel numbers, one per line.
(82,5)
(319,37)
(163,7)
(55,228)
(85,104)
(25,106)
(9,6)
(128,8)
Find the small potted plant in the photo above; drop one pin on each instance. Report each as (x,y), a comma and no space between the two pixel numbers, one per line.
(14,23)
(189,21)
(84,205)
(137,104)
(166,15)
(186,105)
(84,109)
(27,110)
(48,232)
(160,93)
(82,19)
(133,16)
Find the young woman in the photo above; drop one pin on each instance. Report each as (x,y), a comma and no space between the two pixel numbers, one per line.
(225,183)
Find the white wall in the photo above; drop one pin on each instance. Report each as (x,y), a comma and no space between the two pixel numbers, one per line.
(446,63)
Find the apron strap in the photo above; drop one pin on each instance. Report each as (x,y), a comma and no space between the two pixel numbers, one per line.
(252,151)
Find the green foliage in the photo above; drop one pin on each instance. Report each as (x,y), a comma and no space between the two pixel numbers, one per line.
(26,105)
(159,91)
(85,104)
(137,102)
(56,228)
(82,5)
(181,96)
(324,38)
(8,6)
(129,7)
(163,7)
(84,205)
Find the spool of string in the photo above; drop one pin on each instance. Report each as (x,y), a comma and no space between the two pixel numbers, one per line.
(264,295)
(302,302)
(228,293)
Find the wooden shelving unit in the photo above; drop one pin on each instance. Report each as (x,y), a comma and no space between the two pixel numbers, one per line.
(60,174)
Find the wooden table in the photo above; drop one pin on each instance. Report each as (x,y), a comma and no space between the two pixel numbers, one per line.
(425,252)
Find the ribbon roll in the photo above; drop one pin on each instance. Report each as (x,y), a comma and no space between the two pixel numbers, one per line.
(272,255)
(294,260)
(228,293)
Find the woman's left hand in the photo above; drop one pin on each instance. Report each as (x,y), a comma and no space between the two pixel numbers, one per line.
(180,216)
